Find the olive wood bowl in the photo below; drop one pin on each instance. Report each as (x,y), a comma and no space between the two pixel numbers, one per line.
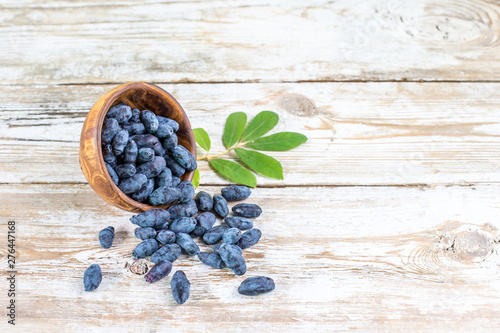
(142,96)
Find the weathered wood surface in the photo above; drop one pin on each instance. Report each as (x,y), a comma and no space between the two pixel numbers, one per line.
(387,218)
(242,41)
(370,258)
(359,134)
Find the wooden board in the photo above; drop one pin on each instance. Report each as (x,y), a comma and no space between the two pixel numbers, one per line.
(248,41)
(342,258)
(387,219)
(359,134)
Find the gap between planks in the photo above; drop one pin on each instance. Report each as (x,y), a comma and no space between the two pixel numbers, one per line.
(437,81)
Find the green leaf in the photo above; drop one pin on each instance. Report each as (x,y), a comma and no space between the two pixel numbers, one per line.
(235,125)
(196,178)
(278,142)
(261,163)
(233,171)
(260,125)
(202,138)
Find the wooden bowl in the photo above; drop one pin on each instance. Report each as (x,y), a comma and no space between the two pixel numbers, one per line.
(142,96)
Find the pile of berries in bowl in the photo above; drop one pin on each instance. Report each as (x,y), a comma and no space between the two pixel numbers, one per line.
(135,140)
(138,153)
(143,157)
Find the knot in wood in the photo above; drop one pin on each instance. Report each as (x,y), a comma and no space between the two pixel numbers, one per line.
(469,243)
(472,246)
(298,105)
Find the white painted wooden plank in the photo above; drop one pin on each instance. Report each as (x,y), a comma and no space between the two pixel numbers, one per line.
(242,41)
(342,258)
(370,133)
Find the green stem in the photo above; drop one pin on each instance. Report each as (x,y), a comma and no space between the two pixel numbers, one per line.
(209,157)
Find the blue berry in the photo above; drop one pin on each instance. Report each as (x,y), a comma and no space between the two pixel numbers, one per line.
(216,247)
(256,285)
(211,259)
(180,287)
(183,224)
(109,129)
(170,122)
(121,112)
(145,248)
(144,233)
(159,150)
(176,168)
(145,155)
(236,192)
(152,168)
(164,195)
(214,234)
(220,206)
(125,170)
(164,130)
(162,226)
(187,244)
(170,141)
(132,184)
(239,222)
(106,237)
(184,157)
(130,152)
(164,178)
(145,191)
(92,277)
(249,238)
(204,201)
(136,116)
(109,156)
(112,173)
(231,236)
(119,142)
(150,121)
(204,221)
(159,271)
(168,252)
(232,258)
(151,218)
(187,191)
(247,210)
(175,181)
(187,209)
(145,140)
(134,129)
(166,236)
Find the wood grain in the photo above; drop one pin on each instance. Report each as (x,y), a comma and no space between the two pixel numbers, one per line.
(248,41)
(342,258)
(362,133)
(142,96)
(387,219)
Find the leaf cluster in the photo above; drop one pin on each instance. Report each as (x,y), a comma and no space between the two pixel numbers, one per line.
(238,134)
